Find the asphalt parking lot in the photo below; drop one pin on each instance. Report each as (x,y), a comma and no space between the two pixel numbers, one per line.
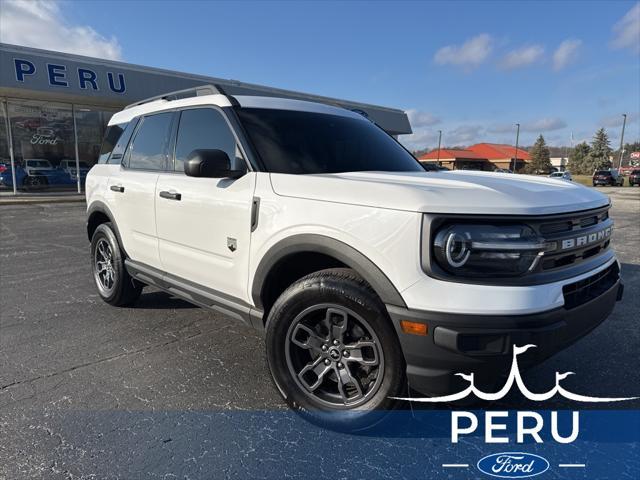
(168,390)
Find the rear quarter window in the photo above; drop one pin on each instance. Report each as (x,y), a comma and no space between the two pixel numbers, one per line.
(115,142)
(111,137)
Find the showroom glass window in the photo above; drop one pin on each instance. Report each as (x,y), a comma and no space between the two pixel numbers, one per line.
(91,123)
(5,158)
(149,147)
(203,129)
(43,142)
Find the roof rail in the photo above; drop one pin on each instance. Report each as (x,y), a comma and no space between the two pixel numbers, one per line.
(198,91)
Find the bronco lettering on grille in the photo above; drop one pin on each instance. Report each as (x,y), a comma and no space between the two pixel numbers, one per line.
(584,240)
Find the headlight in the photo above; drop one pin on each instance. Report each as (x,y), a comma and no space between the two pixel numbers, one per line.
(474,250)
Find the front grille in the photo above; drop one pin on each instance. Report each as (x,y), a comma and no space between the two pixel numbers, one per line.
(580,221)
(572,227)
(579,293)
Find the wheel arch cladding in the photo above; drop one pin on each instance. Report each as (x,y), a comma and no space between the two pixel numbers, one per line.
(98,214)
(329,248)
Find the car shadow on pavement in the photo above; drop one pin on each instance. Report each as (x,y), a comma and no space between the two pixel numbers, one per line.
(161,300)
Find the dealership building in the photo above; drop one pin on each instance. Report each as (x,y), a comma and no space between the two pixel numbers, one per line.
(54,108)
(481,156)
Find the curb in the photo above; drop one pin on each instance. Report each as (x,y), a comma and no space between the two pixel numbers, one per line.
(35,200)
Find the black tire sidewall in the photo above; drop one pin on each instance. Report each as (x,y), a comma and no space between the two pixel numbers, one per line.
(332,287)
(124,289)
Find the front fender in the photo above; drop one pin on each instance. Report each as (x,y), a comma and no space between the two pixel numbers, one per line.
(328,246)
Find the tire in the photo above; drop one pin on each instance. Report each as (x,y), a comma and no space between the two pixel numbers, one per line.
(34,182)
(354,389)
(115,285)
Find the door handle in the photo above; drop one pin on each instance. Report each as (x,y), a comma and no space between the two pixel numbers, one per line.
(117,188)
(171,195)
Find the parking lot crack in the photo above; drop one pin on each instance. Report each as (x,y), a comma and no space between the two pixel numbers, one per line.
(107,359)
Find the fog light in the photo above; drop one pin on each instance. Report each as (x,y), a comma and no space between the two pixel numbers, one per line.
(413,328)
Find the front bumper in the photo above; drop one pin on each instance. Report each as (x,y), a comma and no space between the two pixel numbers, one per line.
(482,344)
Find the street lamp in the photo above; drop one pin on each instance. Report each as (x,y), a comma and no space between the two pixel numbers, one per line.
(439,141)
(624,122)
(515,160)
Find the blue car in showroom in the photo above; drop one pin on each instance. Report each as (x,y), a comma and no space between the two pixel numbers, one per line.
(38,173)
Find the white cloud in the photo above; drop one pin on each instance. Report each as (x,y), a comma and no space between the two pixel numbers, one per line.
(626,32)
(544,125)
(502,128)
(536,126)
(464,135)
(419,139)
(468,55)
(565,53)
(522,57)
(614,121)
(420,119)
(41,24)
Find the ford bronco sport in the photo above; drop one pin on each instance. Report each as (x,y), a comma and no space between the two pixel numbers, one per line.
(369,275)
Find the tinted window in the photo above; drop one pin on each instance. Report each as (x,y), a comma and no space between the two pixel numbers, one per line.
(306,142)
(603,172)
(111,137)
(39,163)
(149,145)
(121,147)
(203,128)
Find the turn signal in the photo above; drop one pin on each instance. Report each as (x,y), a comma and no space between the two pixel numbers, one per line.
(413,328)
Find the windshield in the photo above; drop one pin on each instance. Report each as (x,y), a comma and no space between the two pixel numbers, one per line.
(38,163)
(559,174)
(603,172)
(307,142)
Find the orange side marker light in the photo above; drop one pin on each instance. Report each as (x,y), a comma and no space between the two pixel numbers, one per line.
(413,328)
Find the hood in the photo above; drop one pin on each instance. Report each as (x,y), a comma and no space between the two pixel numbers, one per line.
(443,192)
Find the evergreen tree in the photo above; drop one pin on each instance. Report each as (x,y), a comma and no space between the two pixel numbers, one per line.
(540,158)
(579,160)
(600,152)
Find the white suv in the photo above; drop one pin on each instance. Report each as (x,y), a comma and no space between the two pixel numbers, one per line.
(369,275)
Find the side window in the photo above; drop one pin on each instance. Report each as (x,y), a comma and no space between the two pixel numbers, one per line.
(149,147)
(111,137)
(204,128)
(121,146)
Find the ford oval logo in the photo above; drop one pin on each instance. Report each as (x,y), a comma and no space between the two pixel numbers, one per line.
(513,465)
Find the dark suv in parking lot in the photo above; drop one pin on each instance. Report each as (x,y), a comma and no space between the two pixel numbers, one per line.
(608,178)
(634,177)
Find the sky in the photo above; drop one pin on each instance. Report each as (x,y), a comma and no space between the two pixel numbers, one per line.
(470,69)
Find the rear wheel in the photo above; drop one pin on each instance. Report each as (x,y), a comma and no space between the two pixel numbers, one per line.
(333,352)
(114,283)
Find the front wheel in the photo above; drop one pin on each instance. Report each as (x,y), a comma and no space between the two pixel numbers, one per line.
(333,352)
(115,285)
(34,181)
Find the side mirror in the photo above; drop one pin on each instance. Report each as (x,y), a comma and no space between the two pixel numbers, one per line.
(210,163)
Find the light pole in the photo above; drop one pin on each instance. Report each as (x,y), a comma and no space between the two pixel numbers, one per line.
(439,141)
(624,122)
(515,160)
